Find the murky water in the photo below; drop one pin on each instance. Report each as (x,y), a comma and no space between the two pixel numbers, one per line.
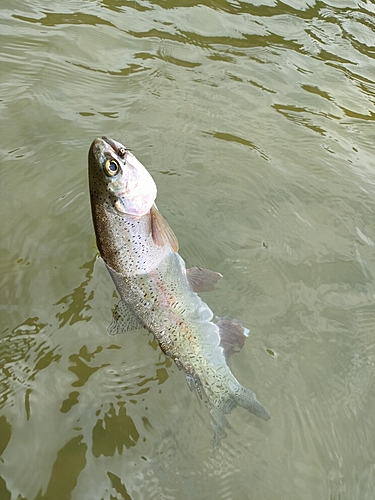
(257,122)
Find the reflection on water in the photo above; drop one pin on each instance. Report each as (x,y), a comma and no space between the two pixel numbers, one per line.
(256,121)
(62,404)
(77,302)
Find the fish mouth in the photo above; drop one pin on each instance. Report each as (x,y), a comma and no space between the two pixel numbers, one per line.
(99,148)
(117,147)
(109,142)
(106,146)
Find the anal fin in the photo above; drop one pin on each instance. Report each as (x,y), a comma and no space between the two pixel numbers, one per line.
(232,336)
(123,320)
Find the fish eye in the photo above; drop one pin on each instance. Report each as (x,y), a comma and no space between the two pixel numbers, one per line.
(111,167)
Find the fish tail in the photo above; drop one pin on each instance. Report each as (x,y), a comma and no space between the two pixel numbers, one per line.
(219,423)
(247,399)
(241,396)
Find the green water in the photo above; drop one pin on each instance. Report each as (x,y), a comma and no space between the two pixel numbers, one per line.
(256,120)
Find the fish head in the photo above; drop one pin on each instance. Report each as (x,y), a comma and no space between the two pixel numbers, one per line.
(116,172)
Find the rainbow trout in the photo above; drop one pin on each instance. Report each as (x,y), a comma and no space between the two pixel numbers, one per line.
(157,292)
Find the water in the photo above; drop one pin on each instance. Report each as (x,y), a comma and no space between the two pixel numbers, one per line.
(257,122)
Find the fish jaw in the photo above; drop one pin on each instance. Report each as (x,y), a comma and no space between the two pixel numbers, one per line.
(132,189)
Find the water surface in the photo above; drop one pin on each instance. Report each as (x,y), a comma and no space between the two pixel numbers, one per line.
(256,120)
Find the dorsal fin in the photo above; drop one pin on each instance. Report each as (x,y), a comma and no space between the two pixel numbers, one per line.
(232,336)
(202,280)
(162,233)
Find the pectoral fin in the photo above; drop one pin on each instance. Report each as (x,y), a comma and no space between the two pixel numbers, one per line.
(123,320)
(202,280)
(232,336)
(162,233)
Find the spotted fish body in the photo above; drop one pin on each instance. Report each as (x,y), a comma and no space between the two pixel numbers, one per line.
(140,252)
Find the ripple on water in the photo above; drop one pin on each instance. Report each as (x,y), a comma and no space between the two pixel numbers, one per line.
(256,121)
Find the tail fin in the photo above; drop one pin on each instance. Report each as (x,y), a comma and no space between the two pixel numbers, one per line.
(241,397)
(248,400)
(219,423)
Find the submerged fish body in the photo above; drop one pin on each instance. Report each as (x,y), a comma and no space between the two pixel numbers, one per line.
(157,292)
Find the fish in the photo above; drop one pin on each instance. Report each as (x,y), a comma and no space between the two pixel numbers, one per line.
(157,292)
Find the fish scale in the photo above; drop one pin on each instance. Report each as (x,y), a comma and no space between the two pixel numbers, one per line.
(140,252)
